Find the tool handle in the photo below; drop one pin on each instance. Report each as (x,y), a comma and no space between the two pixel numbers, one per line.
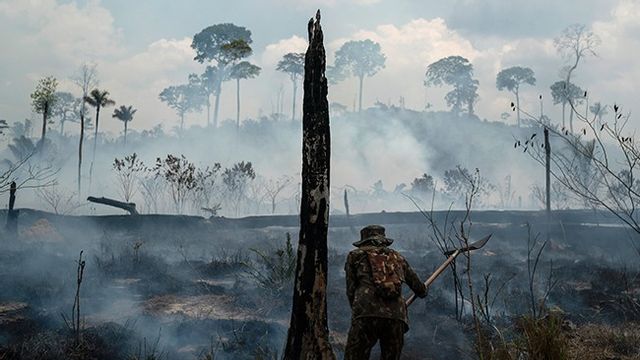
(435,275)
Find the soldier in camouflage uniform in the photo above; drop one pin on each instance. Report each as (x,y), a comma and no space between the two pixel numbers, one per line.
(374,275)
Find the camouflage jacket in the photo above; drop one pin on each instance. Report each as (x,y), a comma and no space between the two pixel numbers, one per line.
(361,289)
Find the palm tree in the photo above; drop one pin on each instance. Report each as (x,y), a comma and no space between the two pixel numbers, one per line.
(124,114)
(98,99)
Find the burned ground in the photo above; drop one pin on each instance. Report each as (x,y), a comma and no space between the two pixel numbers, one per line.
(176,287)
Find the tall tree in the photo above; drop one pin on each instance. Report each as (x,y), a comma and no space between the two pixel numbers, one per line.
(242,70)
(237,50)
(207,82)
(184,98)
(574,44)
(293,65)
(43,99)
(511,79)
(86,79)
(455,71)
(563,94)
(66,108)
(362,58)
(98,99)
(308,335)
(124,114)
(212,45)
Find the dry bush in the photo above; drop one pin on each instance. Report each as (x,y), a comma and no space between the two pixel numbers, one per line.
(274,270)
(542,338)
(593,341)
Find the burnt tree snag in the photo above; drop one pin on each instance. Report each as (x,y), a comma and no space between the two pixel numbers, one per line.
(308,335)
(129,207)
(12,215)
(547,156)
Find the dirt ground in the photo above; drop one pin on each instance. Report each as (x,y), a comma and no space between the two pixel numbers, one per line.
(186,288)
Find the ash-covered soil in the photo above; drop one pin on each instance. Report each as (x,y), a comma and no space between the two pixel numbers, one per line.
(174,287)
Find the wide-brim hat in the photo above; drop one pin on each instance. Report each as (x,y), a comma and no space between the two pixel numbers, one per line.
(374,234)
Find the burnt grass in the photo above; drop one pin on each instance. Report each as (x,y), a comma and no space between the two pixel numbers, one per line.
(179,287)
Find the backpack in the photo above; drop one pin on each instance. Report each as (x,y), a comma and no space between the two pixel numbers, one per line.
(386,270)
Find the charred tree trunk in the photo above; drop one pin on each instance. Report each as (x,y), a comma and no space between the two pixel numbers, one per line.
(346,204)
(129,207)
(308,336)
(12,215)
(517,92)
(80,153)
(44,122)
(547,155)
(348,212)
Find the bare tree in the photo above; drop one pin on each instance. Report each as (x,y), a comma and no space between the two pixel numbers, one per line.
(598,165)
(58,200)
(274,187)
(27,175)
(206,194)
(236,180)
(127,171)
(574,44)
(152,188)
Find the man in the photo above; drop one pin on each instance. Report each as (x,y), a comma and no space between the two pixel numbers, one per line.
(375,274)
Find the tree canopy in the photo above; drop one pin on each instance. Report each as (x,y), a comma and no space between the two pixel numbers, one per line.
(562,94)
(360,58)
(212,44)
(292,64)
(99,98)
(511,78)
(124,113)
(455,71)
(183,98)
(244,70)
(43,97)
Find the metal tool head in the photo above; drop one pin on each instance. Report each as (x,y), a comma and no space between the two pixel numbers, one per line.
(473,246)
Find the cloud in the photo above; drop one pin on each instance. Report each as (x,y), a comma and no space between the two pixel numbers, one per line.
(614,68)
(67,31)
(138,78)
(52,37)
(409,48)
(273,52)
(47,37)
(521,18)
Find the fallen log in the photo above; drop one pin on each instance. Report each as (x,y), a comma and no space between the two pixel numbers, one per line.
(129,207)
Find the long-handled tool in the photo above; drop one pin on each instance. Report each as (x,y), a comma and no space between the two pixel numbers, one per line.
(452,256)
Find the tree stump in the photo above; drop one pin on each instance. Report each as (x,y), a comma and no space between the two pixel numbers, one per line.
(12,215)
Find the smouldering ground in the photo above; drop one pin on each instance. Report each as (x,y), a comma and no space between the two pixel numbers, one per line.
(187,291)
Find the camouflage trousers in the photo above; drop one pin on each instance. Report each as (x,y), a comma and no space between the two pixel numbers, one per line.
(366,331)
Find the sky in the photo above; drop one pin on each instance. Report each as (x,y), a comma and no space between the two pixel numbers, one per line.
(141,47)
